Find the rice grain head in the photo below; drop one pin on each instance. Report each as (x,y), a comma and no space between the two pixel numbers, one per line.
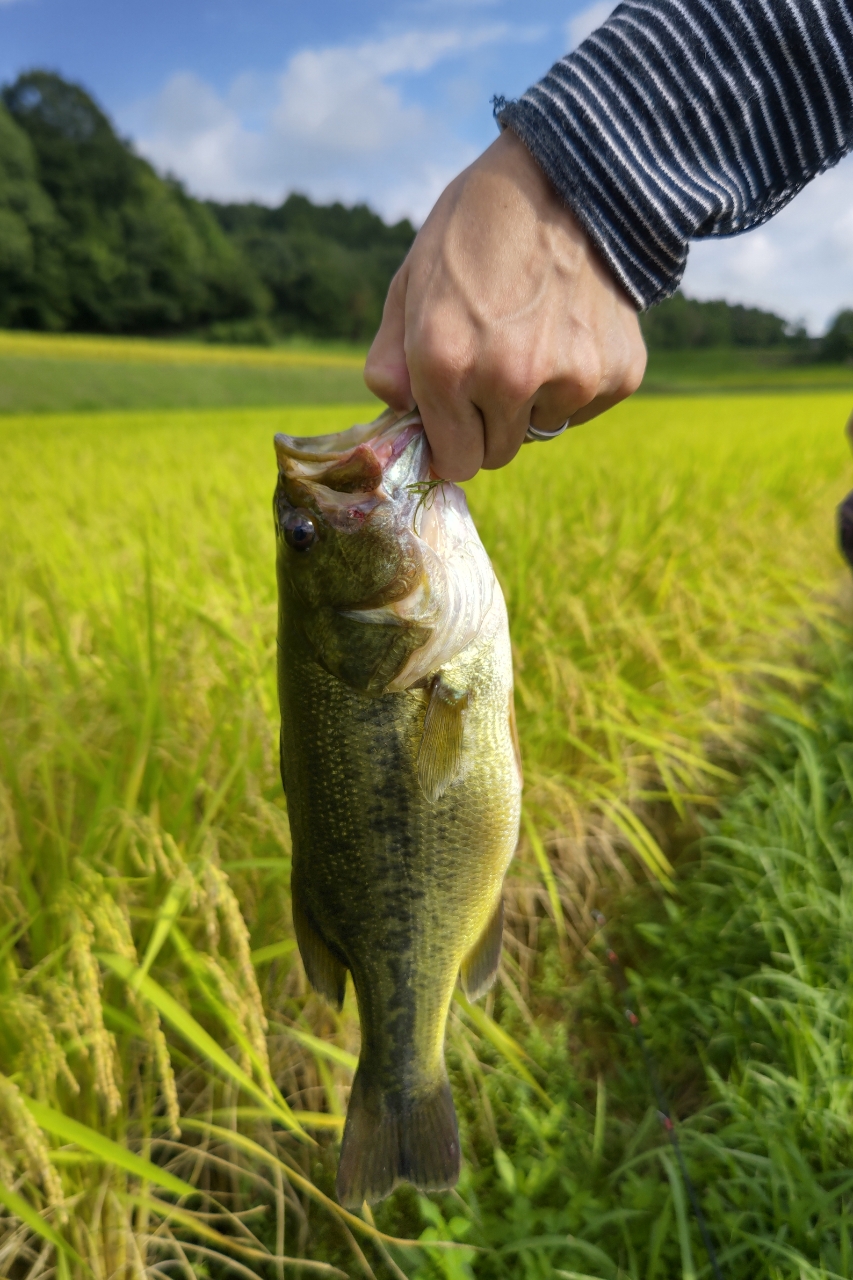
(30,1146)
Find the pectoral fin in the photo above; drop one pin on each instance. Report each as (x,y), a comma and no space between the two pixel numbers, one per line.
(481,963)
(440,754)
(325,972)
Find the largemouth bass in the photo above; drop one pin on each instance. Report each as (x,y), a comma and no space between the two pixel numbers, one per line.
(400,763)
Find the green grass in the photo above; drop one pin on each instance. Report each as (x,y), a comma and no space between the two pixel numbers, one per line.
(740,370)
(33,385)
(46,373)
(672,581)
(50,373)
(743,982)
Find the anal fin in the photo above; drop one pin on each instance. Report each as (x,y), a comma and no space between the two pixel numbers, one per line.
(480,966)
(440,754)
(325,972)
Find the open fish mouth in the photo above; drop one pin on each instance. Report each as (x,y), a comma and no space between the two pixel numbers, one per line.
(355,460)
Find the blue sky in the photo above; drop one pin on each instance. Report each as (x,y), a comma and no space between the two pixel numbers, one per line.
(376,100)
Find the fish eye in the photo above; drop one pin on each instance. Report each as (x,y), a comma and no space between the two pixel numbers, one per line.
(300,533)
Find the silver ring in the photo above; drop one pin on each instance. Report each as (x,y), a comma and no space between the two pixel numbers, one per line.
(537,433)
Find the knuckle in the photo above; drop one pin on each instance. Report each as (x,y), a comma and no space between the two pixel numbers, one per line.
(390,385)
(633,368)
(516,376)
(438,359)
(376,379)
(513,377)
(584,386)
(399,281)
(582,381)
(515,386)
(634,374)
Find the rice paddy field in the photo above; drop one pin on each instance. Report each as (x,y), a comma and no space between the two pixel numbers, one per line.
(172,1094)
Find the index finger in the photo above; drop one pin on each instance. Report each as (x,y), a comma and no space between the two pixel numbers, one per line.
(454,428)
(385,370)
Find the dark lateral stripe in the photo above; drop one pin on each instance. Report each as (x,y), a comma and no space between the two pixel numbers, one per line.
(682,119)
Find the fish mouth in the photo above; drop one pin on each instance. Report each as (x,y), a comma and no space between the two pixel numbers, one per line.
(351,459)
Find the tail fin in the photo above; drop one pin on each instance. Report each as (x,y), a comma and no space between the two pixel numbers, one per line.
(387,1143)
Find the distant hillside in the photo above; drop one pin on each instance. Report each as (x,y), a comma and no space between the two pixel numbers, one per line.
(93,239)
(327,269)
(681,324)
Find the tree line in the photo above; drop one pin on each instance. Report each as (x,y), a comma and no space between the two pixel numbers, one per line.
(93,239)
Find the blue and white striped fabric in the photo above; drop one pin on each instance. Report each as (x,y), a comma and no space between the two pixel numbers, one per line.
(681,119)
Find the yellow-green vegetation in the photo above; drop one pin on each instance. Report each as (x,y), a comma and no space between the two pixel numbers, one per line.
(43,373)
(83,346)
(740,371)
(48,373)
(171,1092)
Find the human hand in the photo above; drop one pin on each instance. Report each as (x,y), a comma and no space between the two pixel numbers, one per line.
(501,315)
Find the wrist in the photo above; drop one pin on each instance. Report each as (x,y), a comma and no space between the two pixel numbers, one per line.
(508,158)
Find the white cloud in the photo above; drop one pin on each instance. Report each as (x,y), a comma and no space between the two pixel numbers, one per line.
(584,23)
(335,124)
(800,264)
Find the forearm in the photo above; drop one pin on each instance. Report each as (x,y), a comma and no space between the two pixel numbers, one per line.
(681,119)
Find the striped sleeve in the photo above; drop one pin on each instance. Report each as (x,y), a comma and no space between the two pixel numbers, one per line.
(681,119)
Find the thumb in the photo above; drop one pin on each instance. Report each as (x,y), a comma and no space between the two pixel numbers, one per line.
(385,370)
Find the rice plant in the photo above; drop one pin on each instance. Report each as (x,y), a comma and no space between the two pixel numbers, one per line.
(171,1091)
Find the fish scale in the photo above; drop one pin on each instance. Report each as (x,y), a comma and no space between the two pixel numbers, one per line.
(401,773)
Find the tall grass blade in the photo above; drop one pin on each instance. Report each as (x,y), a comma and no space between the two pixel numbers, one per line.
(549,878)
(105,1149)
(679,1203)
(227,1245)
(321,1048)
(185,1024)
(21,1208)
(509,1049)
(240,1142)
(170,909)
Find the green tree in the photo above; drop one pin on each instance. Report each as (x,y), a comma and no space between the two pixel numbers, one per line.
(139,255)
(837,342)
(327,267)
(681,323)
(91,238)
(33,285)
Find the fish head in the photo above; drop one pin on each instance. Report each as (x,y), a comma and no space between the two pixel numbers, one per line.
(343,538)
(379,563)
